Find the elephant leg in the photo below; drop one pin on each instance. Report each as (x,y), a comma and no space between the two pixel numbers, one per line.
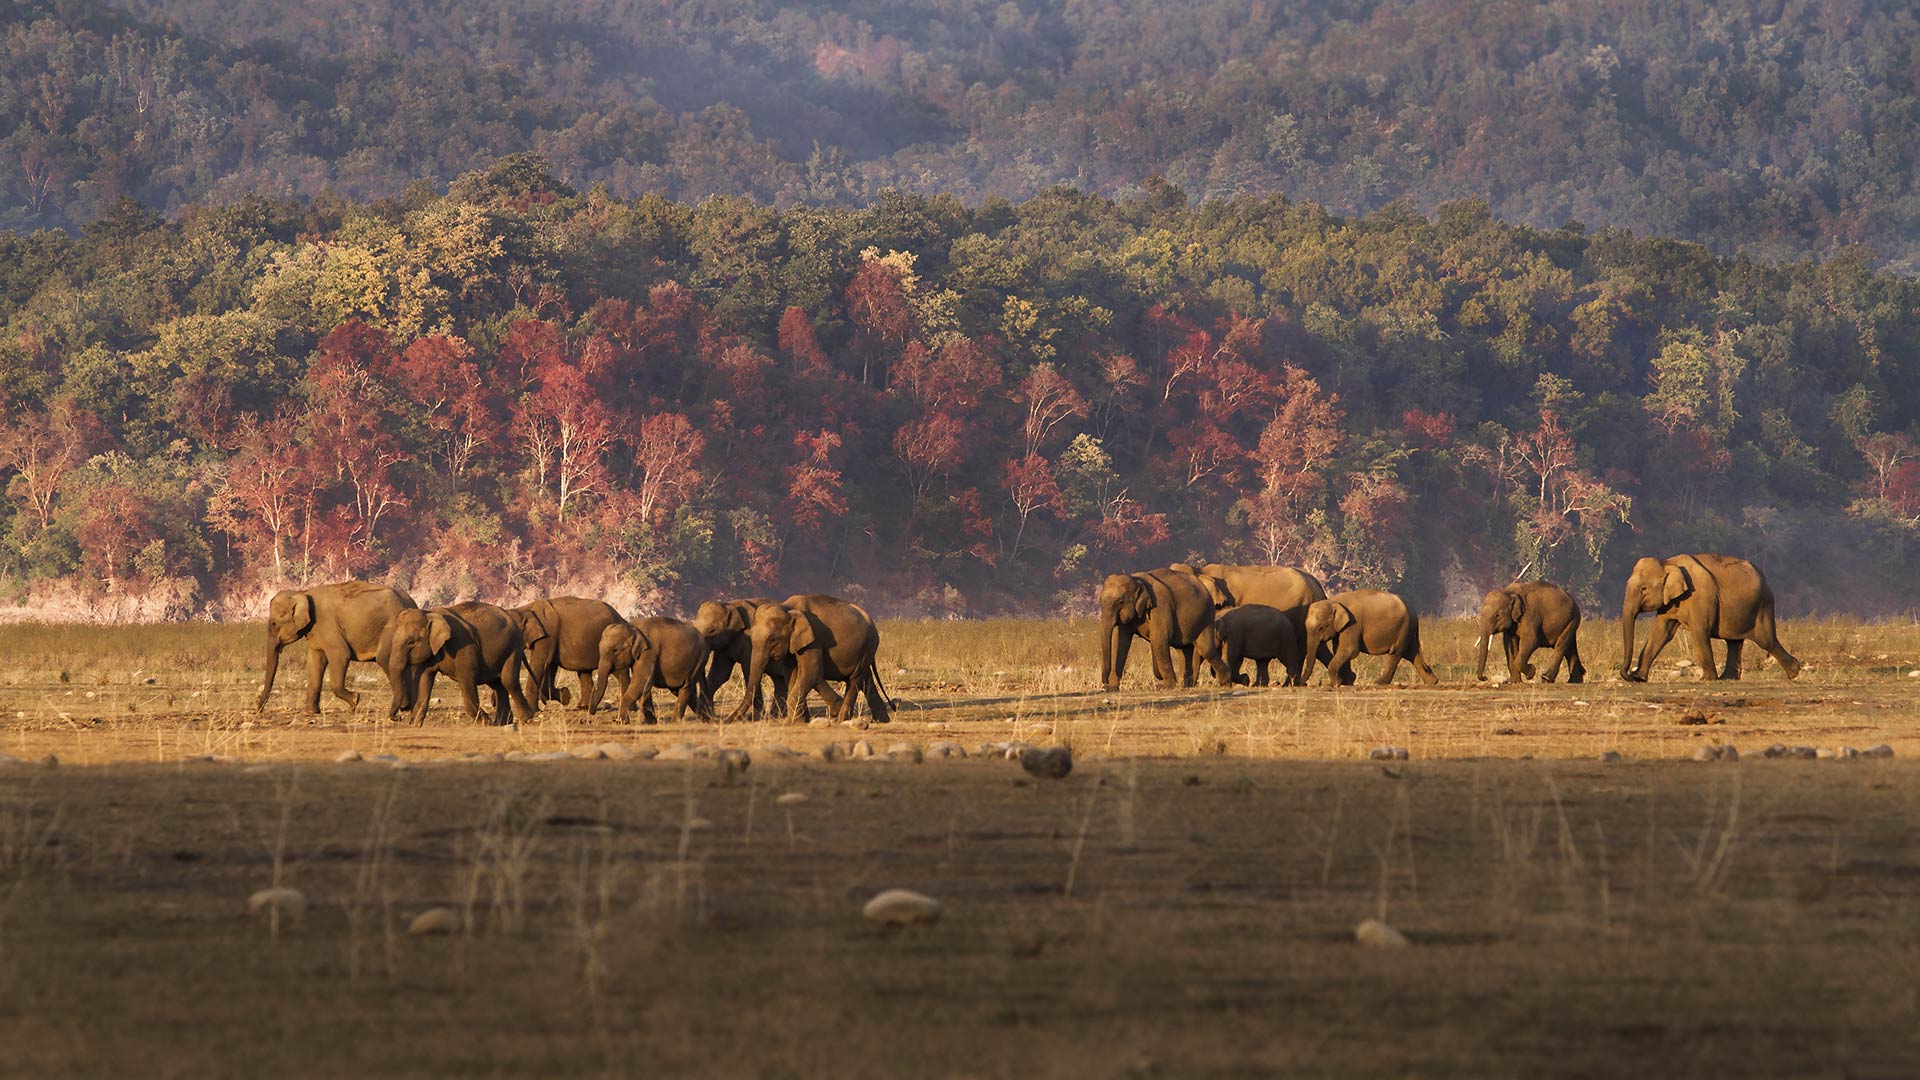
(1186,671)
(586,691)
(1260,672)
(511,674)
(1576,671)
(338,681)
(1767,636)
(1657,638)
(316,672)
(1731,670)
(1702,643)
(777,704)
(800,684)
(469,694)
(647,715)
(831,696)
(1417,656)
(1391,667)
(1341,666)
(849,705)
(1162,652)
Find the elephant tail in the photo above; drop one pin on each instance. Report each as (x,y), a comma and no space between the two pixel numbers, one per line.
(882,687)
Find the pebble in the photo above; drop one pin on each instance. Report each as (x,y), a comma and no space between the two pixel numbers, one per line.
(384,759)
(1053,763)
(434,920)
(791,798)
(861,751)
(345,756)
(1611,756)
(551,755)
(614,751)
(1375,934)
(289,902)
(734,760)
(830,752)
(778,751)
(9,759)
(677,752)
(1805,753)
(586,753)
(1846,753)
(902,907)
(50,761)
(946,748)
(1824,753)
(514,755)
(905,751)
(1388,753)
(820,721)
(1881,751)
(698,824)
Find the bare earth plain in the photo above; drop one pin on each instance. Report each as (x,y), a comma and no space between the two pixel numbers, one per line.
(1182,905)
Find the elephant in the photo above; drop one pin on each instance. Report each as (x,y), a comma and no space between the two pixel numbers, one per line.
(727,626)
(823,637)
(1364,621)
(1170,608)
(562,633)
(342,622)
(658,651)
(476,644)
(1256,632)
(1531,615)
(1711,596)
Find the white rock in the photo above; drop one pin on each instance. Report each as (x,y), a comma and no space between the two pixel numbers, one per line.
(902,907)
(734,760)
(434,920)
(1375,934)
(345,756)
(551,755)
(1388,753)
(830,752)
(291,903)
(776,750)
(614,751)
(1846,752)
(861,750)
(1824,753)
(946,748)
(1707,753)
(1729,753)
(677,752)
(791,798)
(698,824)
(9,759)
(820,721)
(1914,674)
(586,753)
(905,751)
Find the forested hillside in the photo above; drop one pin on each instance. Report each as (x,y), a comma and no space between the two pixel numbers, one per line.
(935,407)
(1778,128)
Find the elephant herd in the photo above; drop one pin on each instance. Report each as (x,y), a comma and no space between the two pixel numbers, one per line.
(1228,615)
(803,644)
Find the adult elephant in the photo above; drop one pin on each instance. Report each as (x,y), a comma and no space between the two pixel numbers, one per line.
(1530,615)
(475,644)
(1170,608)
(1711,596)
(654,652)
(824,637)
(562,633)
(1281,587)
(1364,621)
(727,626)
(342,622)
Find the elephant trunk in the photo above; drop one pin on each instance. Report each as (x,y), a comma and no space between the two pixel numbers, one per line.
(756,670)
(1313,653)
(1108,631)
(399,679)
(1480,665)
(274,645)
(1629,613)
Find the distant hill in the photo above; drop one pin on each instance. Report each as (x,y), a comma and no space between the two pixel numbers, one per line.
(1776,128)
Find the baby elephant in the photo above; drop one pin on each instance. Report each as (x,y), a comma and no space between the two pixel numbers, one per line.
(667,653)
(1530,615)
(1364,621)
(1254,632)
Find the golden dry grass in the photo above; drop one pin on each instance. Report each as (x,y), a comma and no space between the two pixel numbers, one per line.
(1181,905)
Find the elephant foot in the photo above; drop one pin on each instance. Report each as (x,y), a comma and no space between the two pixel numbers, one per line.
(1632,676)
(563,695)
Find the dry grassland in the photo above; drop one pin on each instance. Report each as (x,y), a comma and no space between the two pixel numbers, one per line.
(1181,905)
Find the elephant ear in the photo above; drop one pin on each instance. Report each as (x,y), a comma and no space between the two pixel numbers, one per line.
(1515,606)
(532,627)
(1342,618)
(302,614)
(802,635)
(1675,586)
(1142,598)
(739,618)
(439,631)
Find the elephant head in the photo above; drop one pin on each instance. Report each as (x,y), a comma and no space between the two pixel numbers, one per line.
(534,622)
(720,623)
(778,633)
(1216,586)
(1326,619)
(420,640)
(1125,600)
(1655,585)
(289,617)
(1500,612)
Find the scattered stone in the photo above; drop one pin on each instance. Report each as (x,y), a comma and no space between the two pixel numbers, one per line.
(946,748)
(1375,934)
(9,759)
(1053,763)
(820,721)
(434,920)
(698,824)
(1881,751)
(677,752)
(384,759)
(149,681)
(1777,750)
(1707,753)
(902,907)
(1611,756)
(706,750)
(345,756)
(830,752)
(586,753)
(1824,753)
(861,751)
(484,758)
(1388,753)
(905,751)
(291,903)
(778,751)
(1846,753)
(50,761)
(1914,674)
(733,761)
(791,798)
(1804,753)
(514,755)
(551,755)
(1039,729)
(614,751)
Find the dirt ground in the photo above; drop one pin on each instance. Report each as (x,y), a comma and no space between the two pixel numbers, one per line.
(1182,905)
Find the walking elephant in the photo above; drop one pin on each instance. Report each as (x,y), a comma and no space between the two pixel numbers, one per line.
(562,633)
(342,623)
(473,643)
(1364,621)
(1710,596)
(824,637)
(1254,632)
(727,627)
(668,653)
(1170,608)
(1530,615)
